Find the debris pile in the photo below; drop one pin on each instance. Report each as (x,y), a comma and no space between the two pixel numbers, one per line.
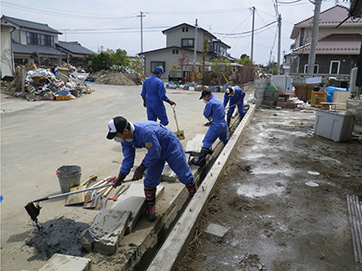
(62,83)
(112,78)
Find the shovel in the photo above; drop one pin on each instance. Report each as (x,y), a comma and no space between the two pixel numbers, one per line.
(102,201)
(96,196)
(179,133)
(79,197)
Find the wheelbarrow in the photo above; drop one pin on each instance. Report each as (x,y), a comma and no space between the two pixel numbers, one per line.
(179,133)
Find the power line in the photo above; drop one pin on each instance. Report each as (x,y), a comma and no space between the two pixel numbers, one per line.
(246,32)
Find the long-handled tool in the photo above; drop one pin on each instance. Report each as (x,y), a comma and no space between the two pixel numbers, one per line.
(34,211)
(179,133)
(79,198)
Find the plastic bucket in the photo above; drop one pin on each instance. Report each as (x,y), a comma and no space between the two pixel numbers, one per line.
(68,176)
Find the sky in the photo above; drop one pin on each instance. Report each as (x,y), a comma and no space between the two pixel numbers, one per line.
(116,24)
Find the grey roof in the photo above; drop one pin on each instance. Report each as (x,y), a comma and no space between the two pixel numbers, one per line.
(167,48)
(30,25)
(334,44)
(28,49)
(333,15)
(75,47)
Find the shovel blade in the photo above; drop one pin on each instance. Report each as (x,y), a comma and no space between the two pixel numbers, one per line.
(180,134)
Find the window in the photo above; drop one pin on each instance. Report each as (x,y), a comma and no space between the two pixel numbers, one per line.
(39,39)
(316,69)
(32,38)
(154,64)
(187,42)
(175,51)
(185,29)
(334,67)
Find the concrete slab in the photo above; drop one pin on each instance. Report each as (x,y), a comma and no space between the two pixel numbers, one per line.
(216,230)
(107,229)
(134,201)
(194,146)
(168,175)
(60,262)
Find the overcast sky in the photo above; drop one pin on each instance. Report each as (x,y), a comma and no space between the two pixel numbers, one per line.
(116,24)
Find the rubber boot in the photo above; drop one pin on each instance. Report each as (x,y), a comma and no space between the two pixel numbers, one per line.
(150,194)
(192,188)
(228,119)
(201,160)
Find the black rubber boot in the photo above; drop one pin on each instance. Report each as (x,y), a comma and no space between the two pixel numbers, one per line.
(150,194)
(228,119)
(192,188)
(201,160)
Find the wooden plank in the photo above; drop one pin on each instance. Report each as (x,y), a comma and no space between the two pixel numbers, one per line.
(175,245)
(340,98)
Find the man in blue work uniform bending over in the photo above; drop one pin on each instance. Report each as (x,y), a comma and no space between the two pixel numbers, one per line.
(153,95)
(218,128)
(162,145)
(236,97)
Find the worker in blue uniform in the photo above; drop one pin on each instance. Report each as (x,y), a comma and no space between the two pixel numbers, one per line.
(236,97)
(214,109)
(162,146)
(153,95)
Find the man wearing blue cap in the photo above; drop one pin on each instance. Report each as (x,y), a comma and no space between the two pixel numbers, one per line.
(153,95)
(162,146)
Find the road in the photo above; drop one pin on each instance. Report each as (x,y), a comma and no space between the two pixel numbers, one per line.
(39,137)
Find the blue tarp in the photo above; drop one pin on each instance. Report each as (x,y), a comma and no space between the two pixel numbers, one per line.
(330,91)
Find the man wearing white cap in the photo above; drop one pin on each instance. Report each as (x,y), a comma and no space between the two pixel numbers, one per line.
(236,96)
(153,95)
(162,146)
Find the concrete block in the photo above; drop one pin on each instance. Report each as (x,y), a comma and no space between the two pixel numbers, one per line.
(107,229)
(134,201)
(194,146)
(60,262)
(217,230)
(168,175)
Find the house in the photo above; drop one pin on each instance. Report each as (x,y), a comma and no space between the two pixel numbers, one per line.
(76,53)
(7,60)
(177,58)
(337,50)
(33,42)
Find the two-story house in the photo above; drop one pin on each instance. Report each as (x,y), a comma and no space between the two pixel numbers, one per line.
(34,42)
(337,50)
(180,51)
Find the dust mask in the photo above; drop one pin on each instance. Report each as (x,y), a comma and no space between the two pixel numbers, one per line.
(118,139)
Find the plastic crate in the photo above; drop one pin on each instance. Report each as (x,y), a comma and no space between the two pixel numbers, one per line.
(317,98)
(63,97)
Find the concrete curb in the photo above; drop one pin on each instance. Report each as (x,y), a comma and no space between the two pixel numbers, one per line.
(176,243)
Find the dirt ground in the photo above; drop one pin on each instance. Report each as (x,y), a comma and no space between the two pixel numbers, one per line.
(276,216)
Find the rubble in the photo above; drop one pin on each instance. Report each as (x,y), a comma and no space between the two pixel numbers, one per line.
(43,84)
(112,78)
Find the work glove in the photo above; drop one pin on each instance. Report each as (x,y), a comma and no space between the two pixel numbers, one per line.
(144,103)
(119,180)
(138,174)
(171,102)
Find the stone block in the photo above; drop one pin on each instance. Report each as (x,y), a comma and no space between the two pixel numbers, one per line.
(60,262)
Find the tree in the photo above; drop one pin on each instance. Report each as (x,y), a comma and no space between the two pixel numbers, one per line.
(244,60)
(110,60)
(221,67)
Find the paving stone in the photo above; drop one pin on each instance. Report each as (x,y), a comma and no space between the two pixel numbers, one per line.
(168,175)
(60,262)
(217,230)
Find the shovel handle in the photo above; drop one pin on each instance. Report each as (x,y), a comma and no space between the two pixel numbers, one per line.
(174,114)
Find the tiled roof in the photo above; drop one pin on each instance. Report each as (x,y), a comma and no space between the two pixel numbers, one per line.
(333,15)
(28,49)
(335,44)
(75,47)
(30,25)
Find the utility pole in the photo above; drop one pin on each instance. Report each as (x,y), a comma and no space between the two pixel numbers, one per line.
(195,45)
(313,45)
(252,36)
(279,41)
(141,15)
